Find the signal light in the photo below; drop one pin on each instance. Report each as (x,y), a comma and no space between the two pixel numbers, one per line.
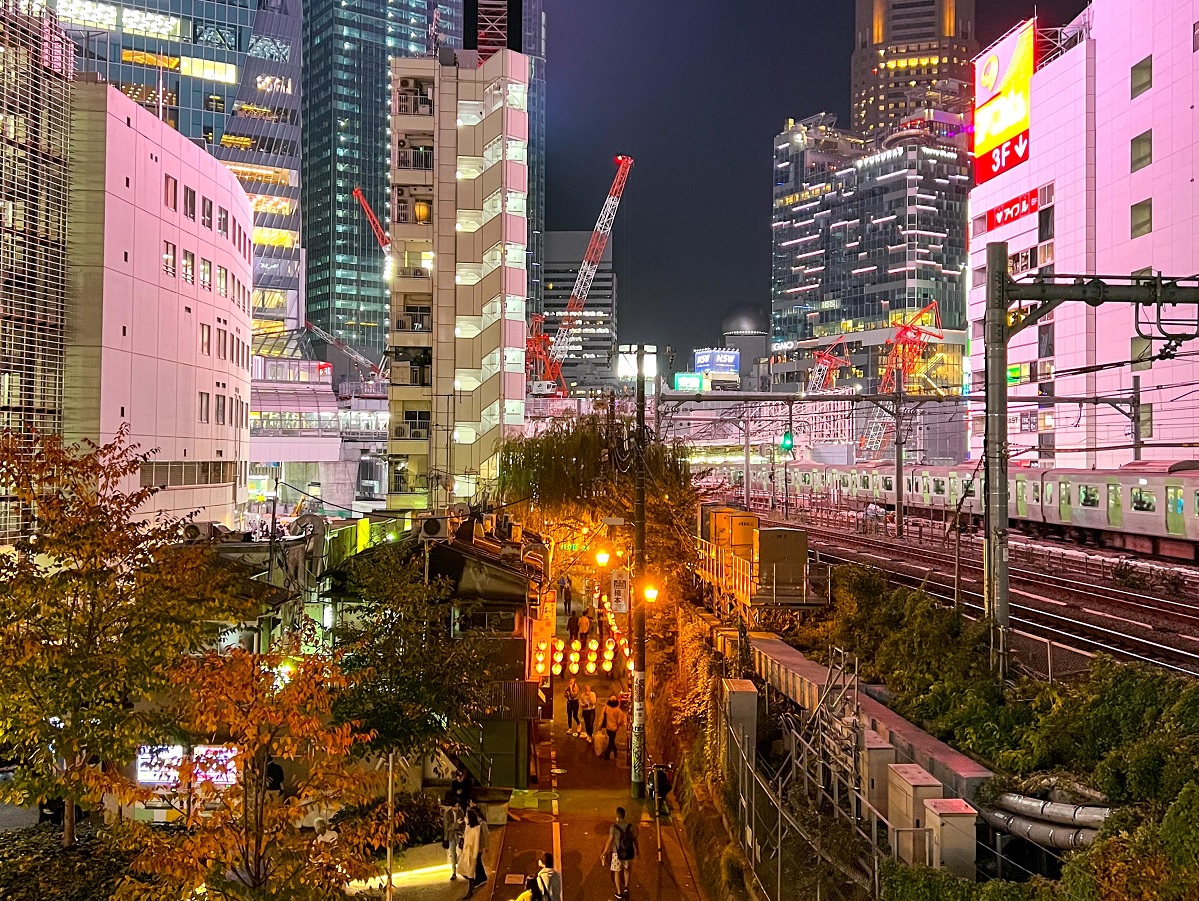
(788,441)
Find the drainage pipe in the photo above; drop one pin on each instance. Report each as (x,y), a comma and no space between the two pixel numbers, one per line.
(1047,835)
(1054,811)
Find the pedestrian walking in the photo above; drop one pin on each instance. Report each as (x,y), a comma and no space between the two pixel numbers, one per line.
(549,880)
(587,708)
(584,628)
(612,720)
(622,848)
(470,861)
(461,787)
(566,599)
(573,723)
(572,626)
(452,822)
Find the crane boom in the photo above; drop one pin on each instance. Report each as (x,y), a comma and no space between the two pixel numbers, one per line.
(362,360)
(380,233)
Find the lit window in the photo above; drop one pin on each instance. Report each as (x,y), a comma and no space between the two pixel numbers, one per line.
(86,12)
(266,203)
(189,267)
(222,281)
(226,73)
(273,84)
(168,258)
(276,237)
(206,274)
(155,60)
(152,24)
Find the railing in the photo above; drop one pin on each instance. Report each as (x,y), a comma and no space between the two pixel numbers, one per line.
(405,216)
(412,376)
(408,432)
(413,105)
(414,159)
(727,571)
(414,322)
(469,741)
(412,272)
(512,700)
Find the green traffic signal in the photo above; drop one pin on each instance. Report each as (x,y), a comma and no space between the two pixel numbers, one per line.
(788,441)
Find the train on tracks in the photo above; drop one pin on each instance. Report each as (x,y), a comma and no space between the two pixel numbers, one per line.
(1148,507)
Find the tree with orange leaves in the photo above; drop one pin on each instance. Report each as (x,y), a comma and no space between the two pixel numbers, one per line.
(100,600)
(240,838)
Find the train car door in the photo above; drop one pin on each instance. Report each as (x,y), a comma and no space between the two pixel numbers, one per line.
(1175,506)
(1115,512)
(953,489)
(1064,501)
(1021,498)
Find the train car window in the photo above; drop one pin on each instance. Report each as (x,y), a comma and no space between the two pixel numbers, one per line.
(1143,500)
(1036,492)
(1049,492)
(908,482)
(889,485)
(1197,503)
(1088,495)
(1174,501)
(864,481)
(844,481)
(805,478)
(938,486)
(926,485)
(968,488)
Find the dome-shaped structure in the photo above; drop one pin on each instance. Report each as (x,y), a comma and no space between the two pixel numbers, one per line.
(746,319)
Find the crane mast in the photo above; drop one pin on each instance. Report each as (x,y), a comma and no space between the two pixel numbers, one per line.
(548,380)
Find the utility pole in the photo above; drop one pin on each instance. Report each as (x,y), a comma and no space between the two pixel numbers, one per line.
(1134,413)
(786,477)
(1163,310)
(745,429)
(637,749)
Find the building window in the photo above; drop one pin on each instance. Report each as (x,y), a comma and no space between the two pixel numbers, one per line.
(206,213)
(206,339)
(1142,218)
(1045,224)
(204,398)
(189,202)
(221,341)
(1142,150)
(1142,76)
(206,274)
(170,193)
(222,281)
(189,267)
(168,258)
(222,222)
(220,409)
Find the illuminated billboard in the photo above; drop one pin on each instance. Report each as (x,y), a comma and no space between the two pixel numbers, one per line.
(718,360)
(1002,100)
(688,381)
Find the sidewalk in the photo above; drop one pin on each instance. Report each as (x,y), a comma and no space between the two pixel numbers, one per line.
(573,815)
(423,874)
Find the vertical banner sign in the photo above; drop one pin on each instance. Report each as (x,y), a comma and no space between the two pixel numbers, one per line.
(621,585)
(1002,101)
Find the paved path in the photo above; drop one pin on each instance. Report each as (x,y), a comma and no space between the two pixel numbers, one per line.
(573,814)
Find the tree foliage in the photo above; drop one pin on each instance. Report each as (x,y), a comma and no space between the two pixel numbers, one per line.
(245,842)
(414,676)
(101,601)
(572,476)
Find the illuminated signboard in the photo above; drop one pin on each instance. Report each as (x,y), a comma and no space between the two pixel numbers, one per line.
(688,381)
(1016,208)
(159,766)
(717,359)
(1002,100)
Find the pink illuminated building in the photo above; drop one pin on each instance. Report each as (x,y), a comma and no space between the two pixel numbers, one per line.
(1102,181)
(158,302)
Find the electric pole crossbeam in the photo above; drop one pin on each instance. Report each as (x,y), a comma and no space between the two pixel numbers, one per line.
(1165,297)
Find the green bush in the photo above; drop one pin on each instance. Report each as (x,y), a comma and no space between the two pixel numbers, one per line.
(35,867)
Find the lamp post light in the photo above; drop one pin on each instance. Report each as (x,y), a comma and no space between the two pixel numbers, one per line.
(651,594)
(602,558)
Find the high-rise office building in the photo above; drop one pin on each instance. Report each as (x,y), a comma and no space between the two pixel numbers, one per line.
(227,76)
(458,226)
(593,340)
(534,49)
(36,96)
(901,47)
(348,49)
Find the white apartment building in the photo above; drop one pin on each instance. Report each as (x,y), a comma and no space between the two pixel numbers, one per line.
(459,193)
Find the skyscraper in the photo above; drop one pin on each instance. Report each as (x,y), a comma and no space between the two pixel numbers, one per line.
(534,49)
(901,47)
(228,77)
(347,144)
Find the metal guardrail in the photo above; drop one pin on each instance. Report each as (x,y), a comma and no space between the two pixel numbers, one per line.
(729,572)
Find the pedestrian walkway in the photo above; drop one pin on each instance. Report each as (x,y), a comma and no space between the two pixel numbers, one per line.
(423,874)
(573,812)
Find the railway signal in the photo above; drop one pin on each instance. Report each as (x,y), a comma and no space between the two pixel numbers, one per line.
(788,441)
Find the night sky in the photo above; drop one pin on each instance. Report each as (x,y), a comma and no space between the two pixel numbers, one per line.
(696,92)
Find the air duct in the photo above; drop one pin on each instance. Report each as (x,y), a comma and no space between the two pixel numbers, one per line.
(1053,811)
(1047,835)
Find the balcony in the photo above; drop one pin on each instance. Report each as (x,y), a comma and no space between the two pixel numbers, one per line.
(414,322)
(415,273)
(409,158)
(413,330)
(410,431)
(412,105)
(408,376)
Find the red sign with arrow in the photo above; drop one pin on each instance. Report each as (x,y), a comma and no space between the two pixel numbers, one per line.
(999,159)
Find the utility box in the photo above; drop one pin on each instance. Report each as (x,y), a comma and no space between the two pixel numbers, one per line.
(743,529)
(740,712)
(722,527)
(908,787)
(704,524)
(952,823)
(874,756)
(783,565)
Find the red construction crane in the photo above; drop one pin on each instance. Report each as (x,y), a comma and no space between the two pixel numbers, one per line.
(545,357)
(380,232)
(820,377)
(911,339)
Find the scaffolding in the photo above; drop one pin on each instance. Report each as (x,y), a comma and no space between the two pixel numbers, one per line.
(36,102)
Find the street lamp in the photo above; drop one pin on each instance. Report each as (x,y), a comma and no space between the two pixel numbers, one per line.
(651,594)
(602,558)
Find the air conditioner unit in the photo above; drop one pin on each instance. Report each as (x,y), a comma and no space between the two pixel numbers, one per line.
(401,192)
(458,511)
(403,323)
(401,431)
(433,528)
(407,83)
(419,434)
(401,143)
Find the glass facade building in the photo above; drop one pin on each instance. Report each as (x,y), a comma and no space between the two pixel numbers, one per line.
(534,48)
(227,75)
(347,144)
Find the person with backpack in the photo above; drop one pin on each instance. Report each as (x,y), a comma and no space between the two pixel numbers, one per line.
(622,846)
(549,880)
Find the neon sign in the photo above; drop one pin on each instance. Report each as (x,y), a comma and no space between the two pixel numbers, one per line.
(1002,103)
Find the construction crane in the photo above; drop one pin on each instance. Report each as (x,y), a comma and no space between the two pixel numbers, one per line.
(380,232)
(911,339)
(820,377)
(366,368)
(546,357)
